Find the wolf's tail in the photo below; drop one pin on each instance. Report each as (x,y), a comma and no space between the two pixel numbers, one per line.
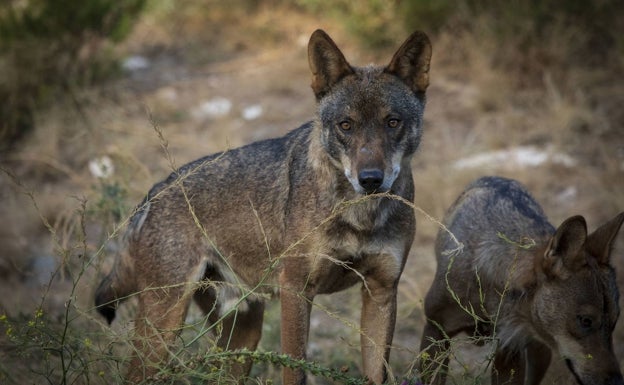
(120,282)
(115,288)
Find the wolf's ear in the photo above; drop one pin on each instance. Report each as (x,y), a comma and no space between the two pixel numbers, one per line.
(327,63)
(565,250)
(600,242)
(411,62)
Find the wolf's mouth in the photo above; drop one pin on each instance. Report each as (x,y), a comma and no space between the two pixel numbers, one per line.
(571,367)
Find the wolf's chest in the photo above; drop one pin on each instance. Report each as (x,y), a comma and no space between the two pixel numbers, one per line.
(346,256)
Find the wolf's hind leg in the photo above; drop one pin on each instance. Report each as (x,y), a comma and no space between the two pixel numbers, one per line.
(160,316)
(241,329)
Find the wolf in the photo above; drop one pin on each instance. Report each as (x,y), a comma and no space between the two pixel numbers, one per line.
(313,212)
(523,284)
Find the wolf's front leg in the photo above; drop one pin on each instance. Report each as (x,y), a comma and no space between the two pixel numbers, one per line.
(521,367)
(538,357)
(434,357)
(295,324)
(378,319)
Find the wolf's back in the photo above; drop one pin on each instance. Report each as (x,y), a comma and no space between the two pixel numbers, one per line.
(493,205)
(491,212)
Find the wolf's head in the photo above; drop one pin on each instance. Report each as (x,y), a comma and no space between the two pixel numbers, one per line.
(576,300)
(371,117)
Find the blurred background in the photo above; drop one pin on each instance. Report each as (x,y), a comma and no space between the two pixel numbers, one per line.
(100,99)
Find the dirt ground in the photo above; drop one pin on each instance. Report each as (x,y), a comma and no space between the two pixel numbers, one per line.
(60,222)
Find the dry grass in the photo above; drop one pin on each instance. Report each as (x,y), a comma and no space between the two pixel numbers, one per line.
(473,107)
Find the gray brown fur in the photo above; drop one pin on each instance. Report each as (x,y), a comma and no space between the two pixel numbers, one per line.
(538,288)
(294,215)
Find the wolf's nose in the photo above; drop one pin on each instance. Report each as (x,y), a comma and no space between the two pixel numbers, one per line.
(370,179)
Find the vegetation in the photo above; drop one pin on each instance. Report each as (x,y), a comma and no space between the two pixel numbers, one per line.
(50,47)
(505,73)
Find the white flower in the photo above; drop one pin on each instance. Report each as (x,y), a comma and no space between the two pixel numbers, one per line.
(213,108)
(101,167)
(252,112)
(135,63)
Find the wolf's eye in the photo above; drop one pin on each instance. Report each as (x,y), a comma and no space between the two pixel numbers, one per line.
(345,125)
(584,322)
(393,123)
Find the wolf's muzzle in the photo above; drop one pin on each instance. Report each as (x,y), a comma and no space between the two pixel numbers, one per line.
(371,180)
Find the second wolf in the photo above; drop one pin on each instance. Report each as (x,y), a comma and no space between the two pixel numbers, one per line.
(524,283)
(289,215)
